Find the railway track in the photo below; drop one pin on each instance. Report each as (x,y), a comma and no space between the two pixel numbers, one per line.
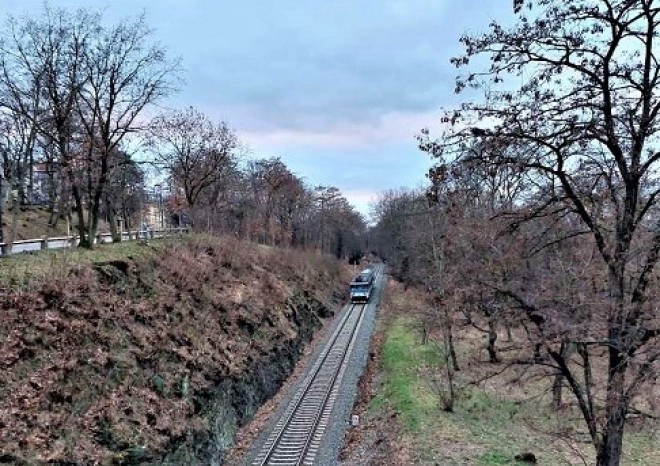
(297,436)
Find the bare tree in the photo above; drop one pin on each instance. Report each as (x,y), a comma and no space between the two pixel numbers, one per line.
(124,192)
(583,127)
(81,86)
(17,145)
(41,74)
(123,74)
(275,194)
(18,141)
(396,213)
(338,226)
(196,152)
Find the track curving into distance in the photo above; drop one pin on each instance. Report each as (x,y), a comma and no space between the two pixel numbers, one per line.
(296,438)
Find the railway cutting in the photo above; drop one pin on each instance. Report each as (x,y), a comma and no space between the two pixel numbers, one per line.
(297,436)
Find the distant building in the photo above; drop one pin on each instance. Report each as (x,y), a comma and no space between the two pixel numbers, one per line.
(41,183)
(154,215)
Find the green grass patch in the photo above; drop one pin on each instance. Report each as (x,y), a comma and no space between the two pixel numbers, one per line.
(484,429)
(641,448)
(403,358)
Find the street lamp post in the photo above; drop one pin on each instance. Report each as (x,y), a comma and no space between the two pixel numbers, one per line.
(161,208)
(161,213)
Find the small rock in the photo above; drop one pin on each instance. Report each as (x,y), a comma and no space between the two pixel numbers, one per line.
(6,458)
(526,457)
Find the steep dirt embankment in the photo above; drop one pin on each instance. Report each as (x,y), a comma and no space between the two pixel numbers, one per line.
(156,357)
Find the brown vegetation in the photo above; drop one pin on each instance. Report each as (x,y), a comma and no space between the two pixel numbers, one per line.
(120,359)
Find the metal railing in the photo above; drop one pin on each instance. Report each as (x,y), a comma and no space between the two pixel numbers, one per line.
(61,242)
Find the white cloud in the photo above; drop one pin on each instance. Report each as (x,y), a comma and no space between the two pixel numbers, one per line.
(391,127)
(361,199)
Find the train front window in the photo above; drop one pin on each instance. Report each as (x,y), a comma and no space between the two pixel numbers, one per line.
(359,288)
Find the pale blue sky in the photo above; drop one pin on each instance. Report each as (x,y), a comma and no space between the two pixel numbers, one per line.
(336,88)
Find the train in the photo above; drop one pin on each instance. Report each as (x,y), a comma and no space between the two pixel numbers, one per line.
(362,286)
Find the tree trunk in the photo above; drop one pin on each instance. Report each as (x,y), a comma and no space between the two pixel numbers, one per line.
(30,186)
(609,450)
(2,210)
(29,161)
(112,220)
(20,183)
(452,349)
(558,384)
(9,241)
(93,215)
(127,222)
(85,241)
(609,453)
(492,338)
(53,198)
(537,352)
(448,402)
(53,215)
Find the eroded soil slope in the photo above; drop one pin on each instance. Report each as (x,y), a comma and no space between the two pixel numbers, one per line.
(152,356)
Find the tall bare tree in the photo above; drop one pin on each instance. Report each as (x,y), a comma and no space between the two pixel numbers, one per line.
(82,86)
(196,152)
(41,61)
(275,195)
(583,126)
(17,147)
(123,74)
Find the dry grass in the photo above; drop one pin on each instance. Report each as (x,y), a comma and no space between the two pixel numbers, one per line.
(496,416)
(22,270)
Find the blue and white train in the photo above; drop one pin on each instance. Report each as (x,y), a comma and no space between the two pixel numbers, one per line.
(362,286)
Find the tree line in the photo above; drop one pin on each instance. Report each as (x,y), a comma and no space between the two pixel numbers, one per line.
(75,135)
(542,215)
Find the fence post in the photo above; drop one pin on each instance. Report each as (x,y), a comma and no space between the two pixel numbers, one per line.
(43,243)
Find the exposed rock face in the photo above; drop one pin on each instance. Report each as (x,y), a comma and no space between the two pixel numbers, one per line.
(235,400)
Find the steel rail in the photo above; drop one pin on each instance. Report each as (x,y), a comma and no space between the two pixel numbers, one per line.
(333,391)
(315,409)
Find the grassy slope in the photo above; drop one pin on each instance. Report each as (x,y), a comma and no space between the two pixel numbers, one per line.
(32,222)
(492,422)
(109,355)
